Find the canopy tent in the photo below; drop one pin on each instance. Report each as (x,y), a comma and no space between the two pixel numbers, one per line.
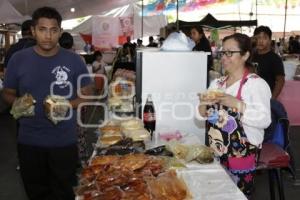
(211,22)
(82,7)
(8,14)
(151,24)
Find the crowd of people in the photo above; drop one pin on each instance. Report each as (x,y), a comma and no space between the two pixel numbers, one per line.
(48,154)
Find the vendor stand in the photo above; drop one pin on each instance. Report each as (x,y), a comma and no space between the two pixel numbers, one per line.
(199,176)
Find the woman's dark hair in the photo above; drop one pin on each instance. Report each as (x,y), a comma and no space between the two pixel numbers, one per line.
(199,29)
(244,44)
(66,40)
(46,12)
(96,54)
(203,39)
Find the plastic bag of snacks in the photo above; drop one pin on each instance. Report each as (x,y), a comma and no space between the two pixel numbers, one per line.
(197,152)
(23,106)
(56,108)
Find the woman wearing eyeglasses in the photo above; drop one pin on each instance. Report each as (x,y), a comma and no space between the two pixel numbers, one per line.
(238,114)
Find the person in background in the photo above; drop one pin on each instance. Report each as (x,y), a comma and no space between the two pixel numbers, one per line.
(269,64)
(128,42)
(98,64)
(151,42)
(88,47)
(26,41)
(238,114)
(275,47)
(297,44)
(66,41)
(161,41)
(140,43)
(48,153)
(202,44)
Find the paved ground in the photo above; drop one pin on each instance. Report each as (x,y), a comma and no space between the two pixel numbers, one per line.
(11,187)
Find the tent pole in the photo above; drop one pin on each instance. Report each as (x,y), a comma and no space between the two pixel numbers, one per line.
(256,9)
(142,19)
(285,13)
(177,16)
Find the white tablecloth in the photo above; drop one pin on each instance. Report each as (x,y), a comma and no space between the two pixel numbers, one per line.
(205,181)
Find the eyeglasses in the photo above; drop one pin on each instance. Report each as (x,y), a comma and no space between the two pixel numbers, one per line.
(227,53)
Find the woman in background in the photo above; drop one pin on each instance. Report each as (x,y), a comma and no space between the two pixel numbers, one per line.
(202,43)
(98,64)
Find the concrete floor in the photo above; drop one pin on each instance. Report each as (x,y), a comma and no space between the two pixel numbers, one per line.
(11,186)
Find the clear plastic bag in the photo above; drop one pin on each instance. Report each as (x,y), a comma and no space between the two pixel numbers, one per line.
(200,153)
(23,106)
(56,108)
(178,42)
(197,152)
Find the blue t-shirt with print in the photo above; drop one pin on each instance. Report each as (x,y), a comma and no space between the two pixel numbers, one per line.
(29,72)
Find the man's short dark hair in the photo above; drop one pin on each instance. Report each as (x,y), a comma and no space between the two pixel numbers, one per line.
(263,29)
(26,27)
(46,12)
(66,40)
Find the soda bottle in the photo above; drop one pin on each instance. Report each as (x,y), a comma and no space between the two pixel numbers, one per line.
(149,116)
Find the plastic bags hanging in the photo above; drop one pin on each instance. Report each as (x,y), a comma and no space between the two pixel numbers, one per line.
(178,41)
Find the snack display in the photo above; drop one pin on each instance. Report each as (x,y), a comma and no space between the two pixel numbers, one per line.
(23,106)
(56,108)
(133,176)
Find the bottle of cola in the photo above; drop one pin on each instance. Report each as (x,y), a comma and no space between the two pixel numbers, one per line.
(149,116)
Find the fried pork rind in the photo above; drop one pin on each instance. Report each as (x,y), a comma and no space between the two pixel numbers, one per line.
(133,161)
(168,187)
(56,108)
(104,160)
(129,177)
(23,106)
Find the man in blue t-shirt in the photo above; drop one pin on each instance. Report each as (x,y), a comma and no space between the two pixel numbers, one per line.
(47,152)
